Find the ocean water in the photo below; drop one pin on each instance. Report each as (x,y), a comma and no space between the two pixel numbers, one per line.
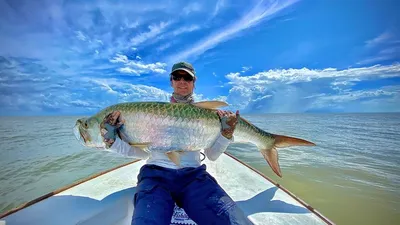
(352,176)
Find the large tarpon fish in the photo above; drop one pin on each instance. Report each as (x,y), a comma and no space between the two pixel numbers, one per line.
(173,128)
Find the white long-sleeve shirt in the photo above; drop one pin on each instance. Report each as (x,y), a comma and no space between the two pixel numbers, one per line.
(187,159)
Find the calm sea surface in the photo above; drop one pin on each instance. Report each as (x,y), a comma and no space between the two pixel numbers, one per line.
(352,176)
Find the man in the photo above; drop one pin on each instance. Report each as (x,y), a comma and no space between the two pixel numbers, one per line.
(161,183)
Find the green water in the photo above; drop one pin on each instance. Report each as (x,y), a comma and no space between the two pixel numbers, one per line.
(342,201)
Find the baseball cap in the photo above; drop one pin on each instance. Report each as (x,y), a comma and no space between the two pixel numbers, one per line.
(185,67)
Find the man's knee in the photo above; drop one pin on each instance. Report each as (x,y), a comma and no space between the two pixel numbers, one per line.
(152,204)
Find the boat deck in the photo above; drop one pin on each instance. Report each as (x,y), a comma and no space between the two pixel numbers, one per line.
(107,199)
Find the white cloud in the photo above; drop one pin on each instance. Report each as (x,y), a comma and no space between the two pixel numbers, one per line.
(306,75)
(218,6)
(49,29)
(246,68)
(381,39)
(170,39)
(128,70)
(354,95)
(130,92)
(81,36)
(339,83)
(185,29)
(119,58)
(239,97)
(390,51)
(288,98)
(147,93)
(81,103)
(99,42)
(137,67)
(154,30)
(375,59)
(323,101)
(164,46)
(384,47)
(344,83)
(191,8)
(104,86)
(259,79)
(221,98)
(157,67)
(300,90)
(200,97)
(257,14)
(260,98)
(315,95)
(128,24)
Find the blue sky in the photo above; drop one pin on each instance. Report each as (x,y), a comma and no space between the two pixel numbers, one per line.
(75,57)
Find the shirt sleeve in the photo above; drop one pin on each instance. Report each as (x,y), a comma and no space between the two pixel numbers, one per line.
(121,147)
(219,147)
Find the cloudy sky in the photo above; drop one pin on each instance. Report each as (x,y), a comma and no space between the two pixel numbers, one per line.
(64,57)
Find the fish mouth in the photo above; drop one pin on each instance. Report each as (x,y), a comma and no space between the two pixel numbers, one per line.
(78,135)
(85,138)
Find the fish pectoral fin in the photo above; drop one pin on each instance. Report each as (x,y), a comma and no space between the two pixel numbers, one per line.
(210,104)
(174,156)
(143,146)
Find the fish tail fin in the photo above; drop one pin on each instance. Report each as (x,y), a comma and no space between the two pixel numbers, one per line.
(271,154)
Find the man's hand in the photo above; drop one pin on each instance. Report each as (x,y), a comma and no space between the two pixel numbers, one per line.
(115,119)
(111,123)
(228,122)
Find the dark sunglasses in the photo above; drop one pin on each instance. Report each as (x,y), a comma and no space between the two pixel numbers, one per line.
(178,77)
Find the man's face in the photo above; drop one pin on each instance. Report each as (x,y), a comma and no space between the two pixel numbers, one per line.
(182,82)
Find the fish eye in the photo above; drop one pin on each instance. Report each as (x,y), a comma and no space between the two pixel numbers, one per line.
(86,125)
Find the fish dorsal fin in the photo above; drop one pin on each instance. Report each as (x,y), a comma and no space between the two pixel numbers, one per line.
(246,121)
(210,104)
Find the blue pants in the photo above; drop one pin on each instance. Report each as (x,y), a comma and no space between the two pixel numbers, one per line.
(193,189)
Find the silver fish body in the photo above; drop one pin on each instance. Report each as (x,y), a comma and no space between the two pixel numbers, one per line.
(177,127)
(169,133)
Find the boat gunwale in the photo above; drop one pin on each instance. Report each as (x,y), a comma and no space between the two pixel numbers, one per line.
(57,191)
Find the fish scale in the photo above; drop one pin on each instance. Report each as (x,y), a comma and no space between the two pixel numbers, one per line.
(172,132)
(166,127)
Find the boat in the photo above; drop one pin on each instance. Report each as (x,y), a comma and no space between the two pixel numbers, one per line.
(106,198)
